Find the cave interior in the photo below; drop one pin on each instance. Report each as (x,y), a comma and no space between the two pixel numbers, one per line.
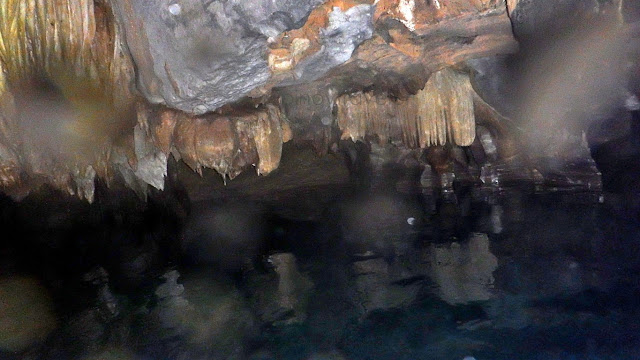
(319,179)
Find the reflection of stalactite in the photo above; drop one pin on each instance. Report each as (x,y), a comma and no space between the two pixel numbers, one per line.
(464,272)
(442,112)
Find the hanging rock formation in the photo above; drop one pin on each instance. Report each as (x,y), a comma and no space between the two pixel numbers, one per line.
(442,112)
(112,89)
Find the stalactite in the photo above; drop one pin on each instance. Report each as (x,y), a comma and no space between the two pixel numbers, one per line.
(443,111)
(184,140)
(460,112)
(9,175)
(63,40)
(151,164)
(215,144)
(352,116)
(74,48)
(229,144)
(85,183)
(226,143)
(406,121)
(432,121)
(268,138)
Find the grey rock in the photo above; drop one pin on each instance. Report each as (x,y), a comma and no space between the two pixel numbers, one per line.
(205,54)
(199,55)
(340,39)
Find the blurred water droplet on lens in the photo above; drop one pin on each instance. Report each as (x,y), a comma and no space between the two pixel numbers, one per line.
(175,9)
(26,314)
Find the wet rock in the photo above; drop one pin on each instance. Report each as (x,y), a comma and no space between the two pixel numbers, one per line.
(540,18)
(222,320)
(132,261)
(173,309)
(393,167)
(111,354)
(106,301)
(26,314)
(170,288)
(261,355)
(442,112)
(99,319)
(308,109)
(198,57)
(345,31)
(85,332)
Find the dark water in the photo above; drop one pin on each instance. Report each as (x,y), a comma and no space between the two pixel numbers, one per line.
(489,274)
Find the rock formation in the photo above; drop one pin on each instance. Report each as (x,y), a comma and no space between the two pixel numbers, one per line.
(109,90)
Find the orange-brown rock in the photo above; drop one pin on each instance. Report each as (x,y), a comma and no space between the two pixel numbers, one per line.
(268,138)
(163,131)
(417,14)
(76,47)
(442,112)
(215,144)
(184,140)
(292,46)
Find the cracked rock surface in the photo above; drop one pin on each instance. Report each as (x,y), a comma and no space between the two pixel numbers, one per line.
(200,55)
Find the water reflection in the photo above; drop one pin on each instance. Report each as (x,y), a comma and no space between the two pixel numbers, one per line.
(487,275)
(464,272)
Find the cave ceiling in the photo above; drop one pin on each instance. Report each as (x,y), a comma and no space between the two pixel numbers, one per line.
(112,90)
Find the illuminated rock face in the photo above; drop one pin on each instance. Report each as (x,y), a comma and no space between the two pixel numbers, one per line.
(113,89)
(440,113)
